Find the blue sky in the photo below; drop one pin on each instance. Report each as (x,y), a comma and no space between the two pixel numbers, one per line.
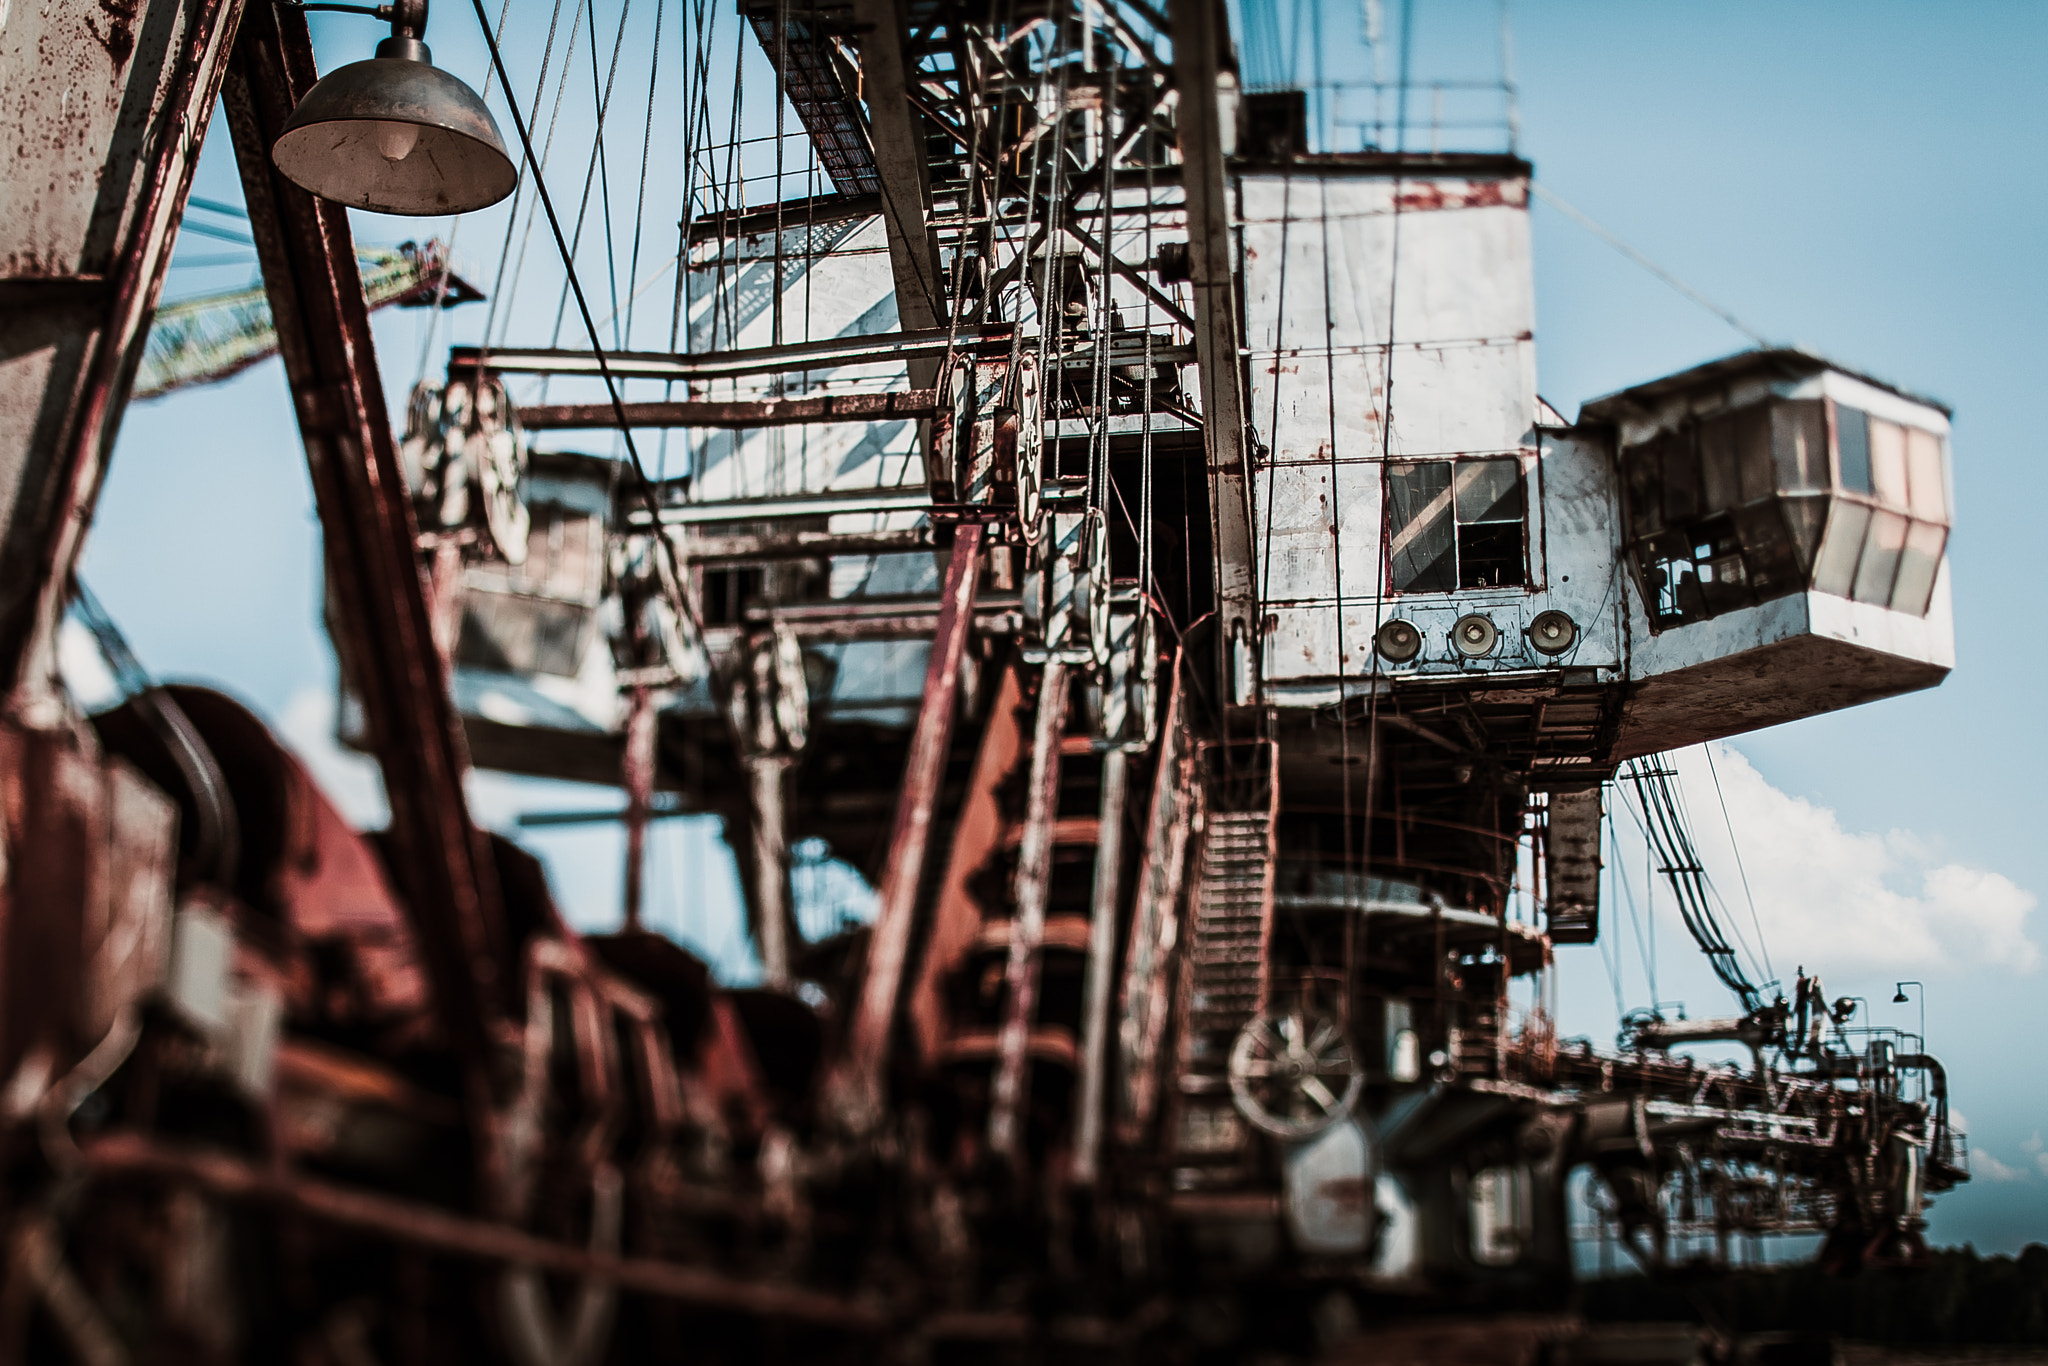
(1861,178)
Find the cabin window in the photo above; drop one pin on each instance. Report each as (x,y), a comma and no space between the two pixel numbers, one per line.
(728,593)
(1456,524)
(1781,497)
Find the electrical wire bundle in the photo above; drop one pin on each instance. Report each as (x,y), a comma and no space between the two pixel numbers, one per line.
(1665,826)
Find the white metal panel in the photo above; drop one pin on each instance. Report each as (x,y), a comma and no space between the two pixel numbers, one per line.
(1462,399)
(1367,294)
(1320,526)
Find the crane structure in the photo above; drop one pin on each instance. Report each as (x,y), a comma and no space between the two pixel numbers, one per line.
(1124,532)
(207,338)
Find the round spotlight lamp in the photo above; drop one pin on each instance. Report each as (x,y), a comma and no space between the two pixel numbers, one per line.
(1474,635)
(396,134)
(1552,633)
(1398,641)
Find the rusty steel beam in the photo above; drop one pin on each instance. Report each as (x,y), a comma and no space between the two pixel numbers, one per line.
(803,545)
(928,344)
(108,107)
(828,503)
(132,1156)
(772,412)
(897,625)
(1200,34)
(856,1094)
(381,622)
(901,172)
(1027,929)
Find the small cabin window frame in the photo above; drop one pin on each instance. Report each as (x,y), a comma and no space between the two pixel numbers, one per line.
(1457,524)
(1746,505)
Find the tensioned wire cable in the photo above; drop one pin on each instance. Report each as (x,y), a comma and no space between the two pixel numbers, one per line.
(546,154)
(646,149)
(433,327)
(498,291)
(645,487)
(597,160)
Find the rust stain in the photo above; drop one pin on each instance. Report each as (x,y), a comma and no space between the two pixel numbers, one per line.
(119,39)
(1478,194)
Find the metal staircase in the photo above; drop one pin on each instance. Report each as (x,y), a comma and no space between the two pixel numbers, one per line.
(1232,923)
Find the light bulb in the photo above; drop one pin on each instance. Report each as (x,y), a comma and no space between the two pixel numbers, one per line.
(395,140)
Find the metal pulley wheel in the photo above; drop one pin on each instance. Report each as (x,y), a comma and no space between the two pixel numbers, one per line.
(1096,548)
(953,430)
(1030,447)
(421,445)
(496,452)
(1294,1074)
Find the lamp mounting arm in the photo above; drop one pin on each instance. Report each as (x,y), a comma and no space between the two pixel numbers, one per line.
(408,18)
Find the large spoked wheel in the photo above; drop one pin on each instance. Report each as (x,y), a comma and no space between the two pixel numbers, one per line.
(1030,448)
(1294,1075)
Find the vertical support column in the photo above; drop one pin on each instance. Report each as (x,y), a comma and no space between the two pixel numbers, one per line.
(856,1094)
(900,170)
(768,845)
(1102,928)
(107,108)
(638,772)
(1200,32)
(1027,926)
(382,627)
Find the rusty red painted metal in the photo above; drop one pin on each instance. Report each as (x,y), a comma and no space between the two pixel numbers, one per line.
(1034,874)
(130,1156)
(380,615)
(85,903)
(858,1084)
(773,412)
(39,544)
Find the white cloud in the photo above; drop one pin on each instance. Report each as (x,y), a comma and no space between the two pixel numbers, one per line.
(1983,1164)
(1837,900)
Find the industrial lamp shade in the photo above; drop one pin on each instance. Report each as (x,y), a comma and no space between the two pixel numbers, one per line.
(396,135)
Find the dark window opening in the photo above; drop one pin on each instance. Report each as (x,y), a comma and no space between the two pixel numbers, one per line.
(1456,524)
(1779,497)
(728,593)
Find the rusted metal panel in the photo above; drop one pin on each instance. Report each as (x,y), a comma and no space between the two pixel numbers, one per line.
(978,830)
(804,545)
(858,1084)
(109,104)
(380,615)
(87,860)
(772,412)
